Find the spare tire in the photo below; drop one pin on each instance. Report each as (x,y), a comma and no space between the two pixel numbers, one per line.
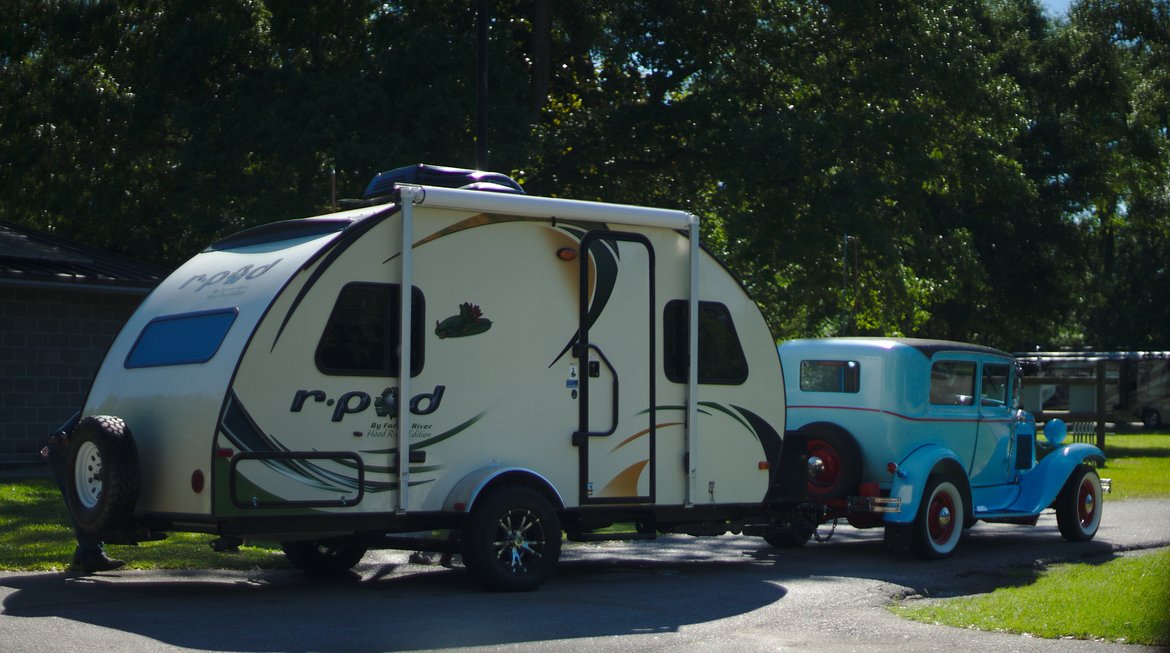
(840,457)
(102,478)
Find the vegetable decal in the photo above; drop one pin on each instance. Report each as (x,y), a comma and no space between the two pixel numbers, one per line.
(469,322)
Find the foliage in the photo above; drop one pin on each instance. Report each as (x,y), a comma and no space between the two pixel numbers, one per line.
(1122,600)
(969,169)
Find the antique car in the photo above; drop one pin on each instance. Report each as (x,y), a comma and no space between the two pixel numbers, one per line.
(925,438)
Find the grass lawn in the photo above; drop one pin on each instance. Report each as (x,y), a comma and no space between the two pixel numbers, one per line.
(1126,599)
(1138,464)
(34,536)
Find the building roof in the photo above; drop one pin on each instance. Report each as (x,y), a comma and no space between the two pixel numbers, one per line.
(29,257)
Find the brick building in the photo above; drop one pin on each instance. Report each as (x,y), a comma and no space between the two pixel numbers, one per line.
(61,304)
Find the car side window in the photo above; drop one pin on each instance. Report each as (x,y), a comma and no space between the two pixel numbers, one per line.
(952,383)
(996,386)
(830,376)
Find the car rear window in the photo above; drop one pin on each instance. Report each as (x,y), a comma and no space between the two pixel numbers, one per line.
(830,376)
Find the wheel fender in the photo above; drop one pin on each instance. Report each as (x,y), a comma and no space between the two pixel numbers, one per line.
(1040,485)
(909,481)
(464,494)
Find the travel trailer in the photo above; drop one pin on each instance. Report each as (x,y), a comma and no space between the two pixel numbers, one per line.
(924,438)
(523,366)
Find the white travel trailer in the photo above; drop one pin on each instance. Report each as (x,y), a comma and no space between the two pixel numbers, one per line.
(260,390)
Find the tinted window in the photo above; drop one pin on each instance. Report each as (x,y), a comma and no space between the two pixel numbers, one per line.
(361,337)
(181,339)
(952,383)
(721,359)
(830,376)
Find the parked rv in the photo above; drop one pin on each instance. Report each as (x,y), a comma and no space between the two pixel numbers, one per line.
(926,437)
(1137,384)
(524,366)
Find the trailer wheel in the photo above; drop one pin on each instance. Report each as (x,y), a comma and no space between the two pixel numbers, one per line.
(839,471)
(939,523)
(331,557)
(1078,506)
(102,480)
(513,540)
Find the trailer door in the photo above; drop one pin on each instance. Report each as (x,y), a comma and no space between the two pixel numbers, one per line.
(615,352)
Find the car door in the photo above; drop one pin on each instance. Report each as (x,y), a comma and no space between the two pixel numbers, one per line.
(993,462)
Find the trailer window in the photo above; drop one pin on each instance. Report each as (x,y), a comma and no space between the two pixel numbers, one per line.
(721,359)
(181,339)
(830,376)
(952,383)
(361,337)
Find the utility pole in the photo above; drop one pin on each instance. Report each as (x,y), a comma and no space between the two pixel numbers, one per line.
(846,304)
(481,87)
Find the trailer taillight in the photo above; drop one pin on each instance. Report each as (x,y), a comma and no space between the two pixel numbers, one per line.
(197,481)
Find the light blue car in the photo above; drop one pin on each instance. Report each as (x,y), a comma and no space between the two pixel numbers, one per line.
(926,437)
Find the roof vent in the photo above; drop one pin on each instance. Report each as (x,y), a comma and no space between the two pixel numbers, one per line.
(383,183)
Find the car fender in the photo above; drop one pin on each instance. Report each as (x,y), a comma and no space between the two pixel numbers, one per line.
(1040,485)
(464,494)
(910,479)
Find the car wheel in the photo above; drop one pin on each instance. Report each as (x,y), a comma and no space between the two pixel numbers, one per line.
(839,469)
(102,482)
(331,557)
(939,523)
(512,540)
(1078,506)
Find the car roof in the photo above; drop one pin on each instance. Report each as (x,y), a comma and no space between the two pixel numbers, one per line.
(928,347)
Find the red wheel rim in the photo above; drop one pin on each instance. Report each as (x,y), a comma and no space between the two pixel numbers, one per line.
(827,480)
(1086,503)
(942,517)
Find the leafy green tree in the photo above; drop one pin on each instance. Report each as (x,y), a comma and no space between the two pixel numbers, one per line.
(1121,179)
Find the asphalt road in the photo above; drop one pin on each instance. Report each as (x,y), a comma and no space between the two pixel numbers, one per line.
(678,593)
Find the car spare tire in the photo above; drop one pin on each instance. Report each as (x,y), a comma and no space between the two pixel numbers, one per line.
(839,470)
(102,479)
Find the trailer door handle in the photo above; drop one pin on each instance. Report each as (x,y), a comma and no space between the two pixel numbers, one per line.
(595,371)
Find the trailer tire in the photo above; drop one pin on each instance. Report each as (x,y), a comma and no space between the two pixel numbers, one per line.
(939,523)
(840,457)
(1078,506)
(102,477)
(512,541)
(324,558)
